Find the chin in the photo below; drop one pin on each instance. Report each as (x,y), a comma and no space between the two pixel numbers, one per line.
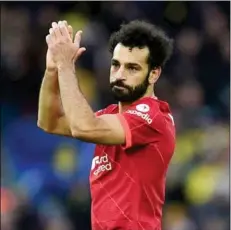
(123,97)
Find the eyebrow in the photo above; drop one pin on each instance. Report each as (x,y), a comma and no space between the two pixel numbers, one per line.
(128,63)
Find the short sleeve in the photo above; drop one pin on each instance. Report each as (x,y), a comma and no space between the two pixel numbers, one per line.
(100,112)
(140,122)
(107,110)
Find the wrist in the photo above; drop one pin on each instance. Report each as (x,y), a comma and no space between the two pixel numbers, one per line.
(66,67)
(51,70)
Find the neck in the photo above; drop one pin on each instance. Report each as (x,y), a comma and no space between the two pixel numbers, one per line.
(124,105)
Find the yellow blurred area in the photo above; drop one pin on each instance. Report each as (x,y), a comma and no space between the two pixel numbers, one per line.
(200,141)
(76,20)
(87,84)
(174,214)
(202,179)
(187,146)
(65,159)
(201,182)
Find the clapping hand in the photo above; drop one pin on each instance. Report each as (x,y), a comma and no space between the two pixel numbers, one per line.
(61,48)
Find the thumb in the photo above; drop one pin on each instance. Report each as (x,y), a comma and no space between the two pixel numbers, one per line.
(80,52)
(78,38)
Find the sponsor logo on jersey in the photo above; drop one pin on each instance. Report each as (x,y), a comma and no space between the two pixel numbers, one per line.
(144,116)
(143,108)
(103,164)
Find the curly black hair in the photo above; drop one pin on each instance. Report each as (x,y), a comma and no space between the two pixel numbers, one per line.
(142,34)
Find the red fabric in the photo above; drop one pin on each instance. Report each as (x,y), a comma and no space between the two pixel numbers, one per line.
(128,181)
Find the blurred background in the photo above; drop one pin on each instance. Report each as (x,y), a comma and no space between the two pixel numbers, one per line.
(44,178)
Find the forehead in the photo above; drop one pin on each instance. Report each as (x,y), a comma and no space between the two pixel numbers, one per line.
(125,55)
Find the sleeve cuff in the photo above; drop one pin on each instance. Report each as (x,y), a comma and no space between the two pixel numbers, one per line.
(128,136)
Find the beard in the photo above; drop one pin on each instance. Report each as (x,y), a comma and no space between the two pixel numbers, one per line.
(127,93)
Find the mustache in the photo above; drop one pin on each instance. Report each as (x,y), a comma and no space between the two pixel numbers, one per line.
(118,83)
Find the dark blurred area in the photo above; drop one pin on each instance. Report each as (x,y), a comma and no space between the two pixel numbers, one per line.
(44,178)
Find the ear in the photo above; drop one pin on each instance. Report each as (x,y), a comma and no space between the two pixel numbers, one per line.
(154,75)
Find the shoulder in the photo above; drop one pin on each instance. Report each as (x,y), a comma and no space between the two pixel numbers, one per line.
(108,110)
(150,111)
(150,106)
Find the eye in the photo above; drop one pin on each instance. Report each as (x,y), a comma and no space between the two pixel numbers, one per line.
(115,64)
(132,68)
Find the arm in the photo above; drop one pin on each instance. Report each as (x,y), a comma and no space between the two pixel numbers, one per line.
(50,114)
(84,125)
(82,121)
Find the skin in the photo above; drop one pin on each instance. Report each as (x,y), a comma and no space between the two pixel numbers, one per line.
(51,116)
(129,69)
(76,118)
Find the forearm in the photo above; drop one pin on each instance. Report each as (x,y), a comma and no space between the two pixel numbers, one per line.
(76,108)
(50,113)
(84,125)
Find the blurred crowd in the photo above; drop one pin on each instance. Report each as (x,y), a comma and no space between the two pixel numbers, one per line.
(44,179)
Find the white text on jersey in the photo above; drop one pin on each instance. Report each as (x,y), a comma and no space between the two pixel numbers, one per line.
(144,116)
(103,162)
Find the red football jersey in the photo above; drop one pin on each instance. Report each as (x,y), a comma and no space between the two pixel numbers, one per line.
(128,181)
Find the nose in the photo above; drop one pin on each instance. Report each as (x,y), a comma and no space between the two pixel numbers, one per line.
(120,74)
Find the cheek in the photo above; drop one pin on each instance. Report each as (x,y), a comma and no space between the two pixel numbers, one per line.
(112,73)
(112,78)
(135,79)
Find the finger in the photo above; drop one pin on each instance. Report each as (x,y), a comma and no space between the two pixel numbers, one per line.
(59,25)
(78,38)
(56,30)
(70,30)
(64,30)
(48,39)
(52,34)
(80,52)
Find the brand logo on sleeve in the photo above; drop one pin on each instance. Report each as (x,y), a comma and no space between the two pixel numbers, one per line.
(100,164)
(144,116)
(143,108)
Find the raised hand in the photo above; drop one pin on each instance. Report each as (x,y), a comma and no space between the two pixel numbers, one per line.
(50,63)
(61,46)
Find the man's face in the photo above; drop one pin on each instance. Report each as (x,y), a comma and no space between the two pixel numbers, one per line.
(129,73)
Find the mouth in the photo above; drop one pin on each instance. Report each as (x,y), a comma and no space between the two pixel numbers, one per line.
(119,87)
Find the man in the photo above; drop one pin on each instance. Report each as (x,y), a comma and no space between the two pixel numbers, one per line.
(135,139)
